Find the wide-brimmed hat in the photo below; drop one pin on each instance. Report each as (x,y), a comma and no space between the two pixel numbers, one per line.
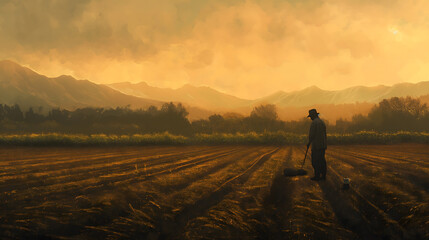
(312,111)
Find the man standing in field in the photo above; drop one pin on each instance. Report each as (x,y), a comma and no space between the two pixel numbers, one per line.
(317,139)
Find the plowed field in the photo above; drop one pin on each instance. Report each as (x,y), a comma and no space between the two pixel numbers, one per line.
(212,192)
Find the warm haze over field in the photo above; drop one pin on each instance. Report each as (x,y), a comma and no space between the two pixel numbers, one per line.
(187,119)
(248,49)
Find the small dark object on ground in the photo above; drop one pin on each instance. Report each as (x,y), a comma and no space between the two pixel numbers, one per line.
(346,183)
(290,172)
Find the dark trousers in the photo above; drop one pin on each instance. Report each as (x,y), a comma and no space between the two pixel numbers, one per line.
(319,162)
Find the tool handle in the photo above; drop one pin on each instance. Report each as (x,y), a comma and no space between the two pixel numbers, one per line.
(303,162)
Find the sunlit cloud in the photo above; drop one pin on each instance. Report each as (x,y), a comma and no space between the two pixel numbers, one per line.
(246,48)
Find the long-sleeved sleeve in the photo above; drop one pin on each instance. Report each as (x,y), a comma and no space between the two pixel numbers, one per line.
(312,132)
(317,135)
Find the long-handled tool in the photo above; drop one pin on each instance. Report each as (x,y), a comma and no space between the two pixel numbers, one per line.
(291,172)
(303,161)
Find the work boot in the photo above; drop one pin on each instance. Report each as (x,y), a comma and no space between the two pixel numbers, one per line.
(315,178)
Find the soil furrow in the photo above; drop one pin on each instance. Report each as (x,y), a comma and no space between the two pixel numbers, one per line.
(391,195)
(416,176)
(227,160)
(59,164)
(380,224)
(203,204)
(385,158)
(158,212)
(96,180)
(102,167)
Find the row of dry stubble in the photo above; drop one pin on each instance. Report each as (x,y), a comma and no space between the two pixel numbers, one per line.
(224,192)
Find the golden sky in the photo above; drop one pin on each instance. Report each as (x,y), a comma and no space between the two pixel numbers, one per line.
(248,48)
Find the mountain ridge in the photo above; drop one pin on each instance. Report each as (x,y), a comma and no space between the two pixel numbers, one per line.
(314,95)
(306,97)
(202,96)
(23,86)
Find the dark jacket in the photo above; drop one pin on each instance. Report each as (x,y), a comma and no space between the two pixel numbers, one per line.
(317,135)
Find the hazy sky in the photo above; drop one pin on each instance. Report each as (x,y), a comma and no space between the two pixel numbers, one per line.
(247,48)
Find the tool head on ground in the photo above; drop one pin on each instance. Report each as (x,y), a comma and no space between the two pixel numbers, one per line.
(291,172)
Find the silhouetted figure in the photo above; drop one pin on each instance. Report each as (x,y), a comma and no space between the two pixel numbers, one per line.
(317,139)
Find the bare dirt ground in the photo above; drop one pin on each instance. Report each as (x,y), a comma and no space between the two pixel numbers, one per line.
(212,192)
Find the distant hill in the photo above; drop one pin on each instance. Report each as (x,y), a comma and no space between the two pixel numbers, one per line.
(291,105)
(314,95)
(203,97)
(209,98)
(22,86)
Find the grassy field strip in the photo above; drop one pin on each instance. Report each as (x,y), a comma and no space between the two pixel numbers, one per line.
(394,196)
(241,212)
(100,176)
(394,158)
(103,165)
(418,176)
(206,201)
(168,189)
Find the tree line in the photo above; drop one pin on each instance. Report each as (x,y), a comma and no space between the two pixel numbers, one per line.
(390,115)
